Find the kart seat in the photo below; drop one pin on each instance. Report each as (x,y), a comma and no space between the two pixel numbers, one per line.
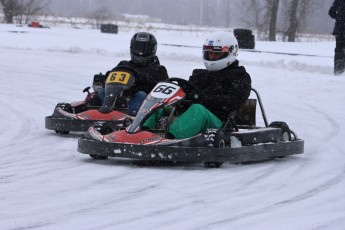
(245,117)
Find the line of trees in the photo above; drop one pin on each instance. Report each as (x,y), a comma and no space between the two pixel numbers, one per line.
(283,17)
(21,9)
(269,18)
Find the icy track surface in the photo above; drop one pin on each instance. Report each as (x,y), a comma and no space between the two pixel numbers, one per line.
(46,184)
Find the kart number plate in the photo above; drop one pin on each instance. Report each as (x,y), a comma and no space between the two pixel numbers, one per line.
(164,90)
(118,77)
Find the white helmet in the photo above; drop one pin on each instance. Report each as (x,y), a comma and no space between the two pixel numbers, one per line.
(220,50)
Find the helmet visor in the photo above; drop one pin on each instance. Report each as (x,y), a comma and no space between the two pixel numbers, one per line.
(142,49)
(214,53)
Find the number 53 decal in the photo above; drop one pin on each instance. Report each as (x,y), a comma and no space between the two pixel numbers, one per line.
(118,77)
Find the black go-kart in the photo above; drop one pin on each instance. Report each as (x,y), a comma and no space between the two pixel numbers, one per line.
(239,140)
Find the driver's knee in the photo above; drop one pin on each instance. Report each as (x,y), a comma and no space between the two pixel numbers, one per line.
(135,102)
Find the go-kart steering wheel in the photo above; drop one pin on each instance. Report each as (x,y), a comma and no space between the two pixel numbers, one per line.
(192,92)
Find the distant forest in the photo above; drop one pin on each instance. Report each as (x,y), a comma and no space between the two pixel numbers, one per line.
(283,16)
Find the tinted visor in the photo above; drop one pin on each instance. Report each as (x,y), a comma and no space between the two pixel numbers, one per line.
(214,53)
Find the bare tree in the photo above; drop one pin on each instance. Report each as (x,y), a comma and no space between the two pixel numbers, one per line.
(291,32)
(307,7)
(274,5)
(28,8)
(257,16)
(297,14)
(264,16)
(100,16)
(10,8)
(22,9)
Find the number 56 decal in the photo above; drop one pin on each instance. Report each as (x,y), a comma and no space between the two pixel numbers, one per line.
(118,77)
(164,90)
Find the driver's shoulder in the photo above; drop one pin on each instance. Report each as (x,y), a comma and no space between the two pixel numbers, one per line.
(199,71)
(123,63)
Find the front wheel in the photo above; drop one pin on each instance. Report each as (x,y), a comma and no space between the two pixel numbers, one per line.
(97,157)
(65,132)
(65,107)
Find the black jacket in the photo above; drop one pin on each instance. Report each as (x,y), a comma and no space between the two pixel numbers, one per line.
(337,12)
(223,91)
(147,77)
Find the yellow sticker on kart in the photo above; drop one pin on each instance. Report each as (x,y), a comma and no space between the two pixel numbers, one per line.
(118,77)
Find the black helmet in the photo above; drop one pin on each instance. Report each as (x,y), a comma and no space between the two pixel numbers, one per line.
(143,48)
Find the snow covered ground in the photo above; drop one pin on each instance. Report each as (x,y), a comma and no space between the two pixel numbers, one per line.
(46,184)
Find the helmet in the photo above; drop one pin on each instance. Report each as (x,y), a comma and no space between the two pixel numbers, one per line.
(143,48)
(220,50)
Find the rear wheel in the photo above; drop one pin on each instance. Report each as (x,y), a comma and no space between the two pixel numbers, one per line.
(286,133)
(213,164)
(65,107)
(97,157)
(64,132)
(218,142)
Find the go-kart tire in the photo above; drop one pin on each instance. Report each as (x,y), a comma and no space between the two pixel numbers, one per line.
(242,32)
(245,38)
(97,157)
(65,132)
(103,128)
(65,107)
(219,142)
(286,133)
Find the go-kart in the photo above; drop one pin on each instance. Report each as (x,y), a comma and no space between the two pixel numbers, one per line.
(80,115)
(239,140)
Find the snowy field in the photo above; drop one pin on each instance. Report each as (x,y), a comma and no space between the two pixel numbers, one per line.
(46,184)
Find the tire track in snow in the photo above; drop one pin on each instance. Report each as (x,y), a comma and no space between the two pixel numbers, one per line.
(313,191)
(333,124)
(79,208)
(278,205)
(18,125)
(332,134)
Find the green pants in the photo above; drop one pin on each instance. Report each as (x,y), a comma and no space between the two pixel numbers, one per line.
(195,120)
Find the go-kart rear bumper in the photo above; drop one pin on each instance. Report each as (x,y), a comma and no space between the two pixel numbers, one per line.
(258,152)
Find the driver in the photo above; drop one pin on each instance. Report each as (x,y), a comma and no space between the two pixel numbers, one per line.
(224,87)
(143,59)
